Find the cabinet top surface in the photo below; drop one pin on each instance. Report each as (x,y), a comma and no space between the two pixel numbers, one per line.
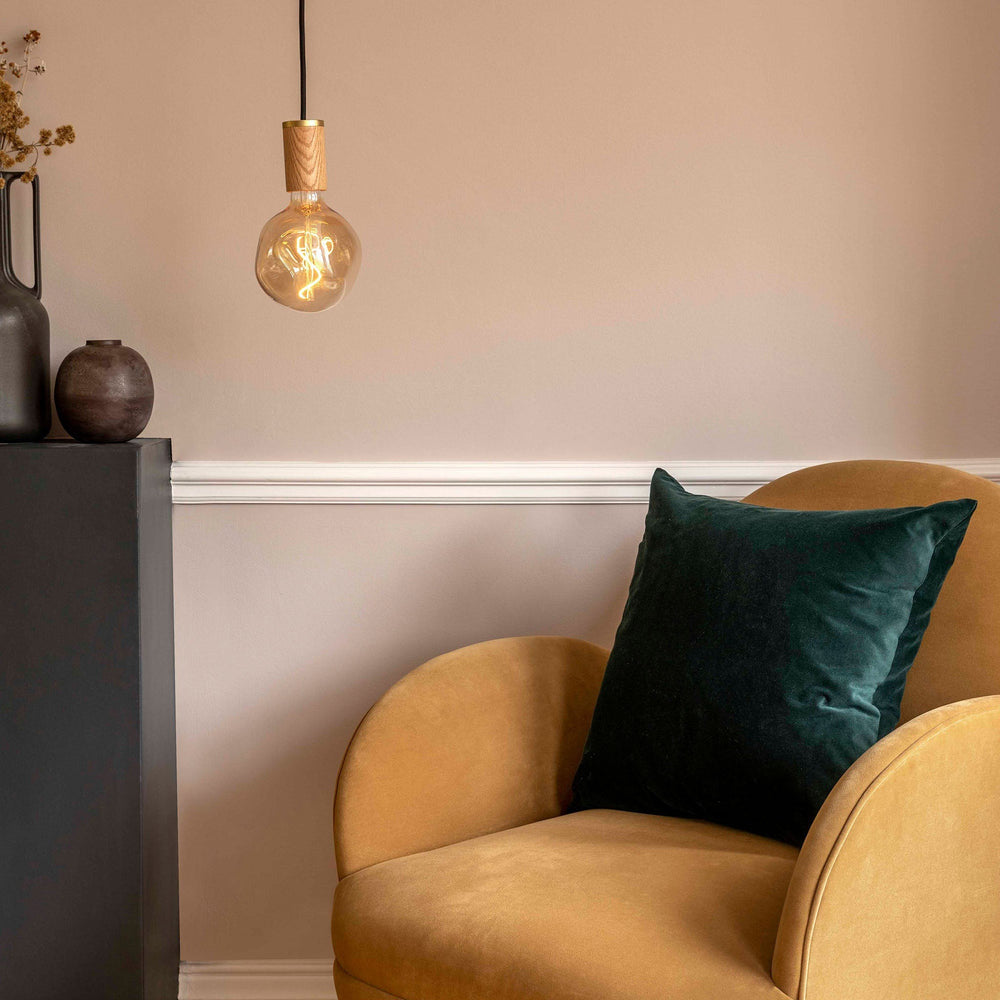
(133,445)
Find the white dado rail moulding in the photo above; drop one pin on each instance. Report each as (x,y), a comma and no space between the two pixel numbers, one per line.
(476,482)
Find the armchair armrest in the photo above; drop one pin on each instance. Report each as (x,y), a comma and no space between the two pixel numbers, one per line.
(896,893)
(482,739)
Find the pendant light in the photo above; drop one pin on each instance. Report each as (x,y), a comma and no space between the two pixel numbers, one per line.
(308,256)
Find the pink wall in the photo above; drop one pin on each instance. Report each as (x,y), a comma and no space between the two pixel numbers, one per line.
(712,229)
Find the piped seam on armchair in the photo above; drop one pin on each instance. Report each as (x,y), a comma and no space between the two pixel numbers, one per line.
(362,982)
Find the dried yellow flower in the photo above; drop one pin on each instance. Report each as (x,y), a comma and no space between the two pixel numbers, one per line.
(13,148)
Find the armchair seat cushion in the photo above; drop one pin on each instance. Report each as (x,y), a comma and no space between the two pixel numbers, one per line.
(595,905)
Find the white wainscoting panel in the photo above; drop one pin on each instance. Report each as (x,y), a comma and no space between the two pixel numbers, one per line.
(475,482)
(260,980)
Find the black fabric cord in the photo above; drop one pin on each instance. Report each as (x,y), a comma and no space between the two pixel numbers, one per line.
(302,59)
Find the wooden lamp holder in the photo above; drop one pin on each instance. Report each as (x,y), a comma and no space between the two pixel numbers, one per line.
(305,155)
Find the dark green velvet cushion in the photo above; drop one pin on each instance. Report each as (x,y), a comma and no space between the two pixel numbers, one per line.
(761,652)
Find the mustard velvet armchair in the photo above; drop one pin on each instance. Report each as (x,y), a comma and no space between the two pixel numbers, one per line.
(461,877)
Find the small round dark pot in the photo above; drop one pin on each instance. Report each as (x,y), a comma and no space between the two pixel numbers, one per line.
(104,392)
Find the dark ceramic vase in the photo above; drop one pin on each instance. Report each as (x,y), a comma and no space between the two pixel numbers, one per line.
(104,392)
(25,411)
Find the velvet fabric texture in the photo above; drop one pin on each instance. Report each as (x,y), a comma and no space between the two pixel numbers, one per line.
(599,905)
(761,652)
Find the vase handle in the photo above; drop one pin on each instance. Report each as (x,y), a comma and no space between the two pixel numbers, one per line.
(6,253)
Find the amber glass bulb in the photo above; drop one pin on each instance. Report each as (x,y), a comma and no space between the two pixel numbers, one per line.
(308,255)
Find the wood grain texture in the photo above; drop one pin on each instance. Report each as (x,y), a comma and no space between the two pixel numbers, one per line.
(305,158)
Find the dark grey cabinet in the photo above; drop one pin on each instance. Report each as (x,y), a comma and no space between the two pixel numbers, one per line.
(88,790)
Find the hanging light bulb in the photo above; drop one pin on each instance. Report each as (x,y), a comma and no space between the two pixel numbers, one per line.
(307,256)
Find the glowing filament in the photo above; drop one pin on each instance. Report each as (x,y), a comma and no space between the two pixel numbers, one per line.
(306,257)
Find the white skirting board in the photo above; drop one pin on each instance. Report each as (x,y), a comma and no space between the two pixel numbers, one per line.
(259,980)
(476,482)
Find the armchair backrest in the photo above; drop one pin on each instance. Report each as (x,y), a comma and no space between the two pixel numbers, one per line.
(960,654)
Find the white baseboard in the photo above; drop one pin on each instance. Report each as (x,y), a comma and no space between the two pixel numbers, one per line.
(257,980)
(475,482)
